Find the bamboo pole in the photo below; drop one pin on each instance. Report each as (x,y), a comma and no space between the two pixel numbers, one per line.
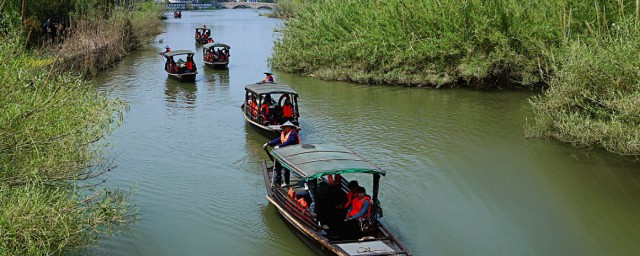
(24,10)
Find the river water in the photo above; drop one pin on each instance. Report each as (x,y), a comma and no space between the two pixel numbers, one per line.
(462,179)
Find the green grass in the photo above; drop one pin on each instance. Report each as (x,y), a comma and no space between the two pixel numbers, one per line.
(568,46)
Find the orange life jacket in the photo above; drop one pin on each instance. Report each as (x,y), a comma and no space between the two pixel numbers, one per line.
(285,137)
(357,206)
(287,110)
(253,106)
(292,193)
(303,203)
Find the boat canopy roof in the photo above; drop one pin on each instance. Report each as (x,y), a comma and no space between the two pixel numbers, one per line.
(316,160)
(211,45)
(177,52)
(203,28)
(269,88)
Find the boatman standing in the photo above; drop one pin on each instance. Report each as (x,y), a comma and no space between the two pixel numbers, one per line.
(267,80)
(166,50)
(288,136)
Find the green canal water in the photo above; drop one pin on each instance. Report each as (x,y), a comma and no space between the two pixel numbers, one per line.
(462,179)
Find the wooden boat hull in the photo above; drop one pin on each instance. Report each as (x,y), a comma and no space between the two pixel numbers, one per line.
(314,240)
(187,77)
(262,129)
(217,65)
(202,41)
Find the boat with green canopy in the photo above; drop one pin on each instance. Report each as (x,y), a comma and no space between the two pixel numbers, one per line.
(183,70)
(262,96)
(319,184)
(216,55)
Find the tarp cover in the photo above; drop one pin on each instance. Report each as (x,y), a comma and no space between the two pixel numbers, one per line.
(209,45)
(268,88)
(177,52)
(317,160)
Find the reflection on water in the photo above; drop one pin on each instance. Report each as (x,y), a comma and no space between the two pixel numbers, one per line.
(180,94)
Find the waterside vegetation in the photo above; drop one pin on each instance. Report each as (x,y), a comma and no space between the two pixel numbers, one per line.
(583,53)
(52,128)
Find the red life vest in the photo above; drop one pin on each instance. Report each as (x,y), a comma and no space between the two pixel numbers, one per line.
(303,203)
(190,65)
(253,106)
(334,180)
(287,110)
(269,79)
(284,137)
(264,111)
(357,206)
(350,196)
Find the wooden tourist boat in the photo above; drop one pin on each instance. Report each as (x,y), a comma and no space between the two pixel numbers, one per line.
(177,14)
(258,94)
(203,35)
(180,69)
(216,55)
(310,166)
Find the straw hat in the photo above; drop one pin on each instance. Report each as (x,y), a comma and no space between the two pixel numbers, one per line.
(288,123)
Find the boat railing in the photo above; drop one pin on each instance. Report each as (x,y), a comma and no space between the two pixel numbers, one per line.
(292,206)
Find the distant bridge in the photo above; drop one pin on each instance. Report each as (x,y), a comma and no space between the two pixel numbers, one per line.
(224,5)
(253,5)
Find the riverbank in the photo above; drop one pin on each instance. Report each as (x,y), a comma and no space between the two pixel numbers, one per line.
(52,129)
(483,45)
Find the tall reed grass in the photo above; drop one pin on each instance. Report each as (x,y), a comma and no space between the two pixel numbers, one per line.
(52,130)
(483,44)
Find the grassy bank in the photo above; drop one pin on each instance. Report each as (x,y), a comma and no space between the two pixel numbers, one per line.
(483,44)
(52,132)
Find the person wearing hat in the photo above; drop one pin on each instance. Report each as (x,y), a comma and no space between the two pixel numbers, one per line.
(288,136)
(166,49)
(268,79)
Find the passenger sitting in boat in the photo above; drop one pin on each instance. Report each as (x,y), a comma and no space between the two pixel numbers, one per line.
(219,54)
(210,40)
(206,34)
(170,66)
(190,65)
(264,111)
(288,136)
(198,36)
(253,107)
(352,194)
(287,111)
(360,210)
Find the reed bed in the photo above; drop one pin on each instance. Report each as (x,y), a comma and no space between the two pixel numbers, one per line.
(52,130)
(484,44)
(96,44)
